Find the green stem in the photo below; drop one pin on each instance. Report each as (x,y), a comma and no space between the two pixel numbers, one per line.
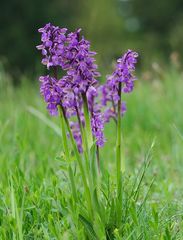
(87,122)
(98,159)
(66,147)
(118,146)
(67,153)
(87,140)
(118,160)
(86,150)
(79,160)
(83,135)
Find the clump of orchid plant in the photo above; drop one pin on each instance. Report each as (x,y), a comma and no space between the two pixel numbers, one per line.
(84,107)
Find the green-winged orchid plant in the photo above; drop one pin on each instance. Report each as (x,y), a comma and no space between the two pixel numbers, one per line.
(84,107)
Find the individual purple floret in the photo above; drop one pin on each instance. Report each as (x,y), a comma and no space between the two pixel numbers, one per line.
(123,74)
(97,125)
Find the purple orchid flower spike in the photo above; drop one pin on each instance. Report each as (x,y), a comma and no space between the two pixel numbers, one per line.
(123,74)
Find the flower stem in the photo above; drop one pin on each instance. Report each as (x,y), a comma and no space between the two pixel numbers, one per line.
(67,153)
(86,151)
(119,160)
(83,134)
(79,160)
(87,121)
(98,158)
(66,148)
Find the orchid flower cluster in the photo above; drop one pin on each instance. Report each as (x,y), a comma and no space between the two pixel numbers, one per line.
(72,90)
(70,52)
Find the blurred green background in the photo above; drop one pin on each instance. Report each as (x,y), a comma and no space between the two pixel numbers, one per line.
(153,28)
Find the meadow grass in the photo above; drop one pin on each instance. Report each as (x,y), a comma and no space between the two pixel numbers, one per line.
(34,196)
